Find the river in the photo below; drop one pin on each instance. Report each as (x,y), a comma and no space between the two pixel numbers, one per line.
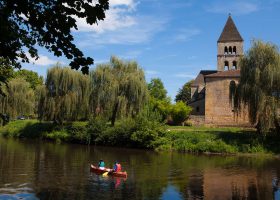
(40,170)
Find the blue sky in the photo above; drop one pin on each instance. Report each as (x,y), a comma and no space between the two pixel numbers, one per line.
(170,39)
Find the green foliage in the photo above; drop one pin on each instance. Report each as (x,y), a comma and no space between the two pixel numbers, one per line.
(146,132)
(19,99)
(163,107)
(180,112)
(259,87)
(31,77)
(65,97)
(6,73)
(148,129)
(26,128)
(218,140)
(157,90)
(184,93)
(118,89)
(96,128)
(25,24)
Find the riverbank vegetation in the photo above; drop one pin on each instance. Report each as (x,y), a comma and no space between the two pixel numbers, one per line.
(144,132)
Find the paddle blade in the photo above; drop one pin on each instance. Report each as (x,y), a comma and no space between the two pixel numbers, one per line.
(105,174)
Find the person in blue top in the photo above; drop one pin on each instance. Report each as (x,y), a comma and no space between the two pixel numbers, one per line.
(101,164)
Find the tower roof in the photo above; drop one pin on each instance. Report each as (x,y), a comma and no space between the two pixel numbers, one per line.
(230,32)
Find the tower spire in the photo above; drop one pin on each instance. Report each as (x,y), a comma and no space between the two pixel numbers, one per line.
(230,32)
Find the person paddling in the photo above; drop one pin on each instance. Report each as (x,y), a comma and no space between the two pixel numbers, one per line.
(117,167)
(101,164)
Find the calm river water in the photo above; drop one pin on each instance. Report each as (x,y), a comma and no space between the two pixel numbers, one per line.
(39,170)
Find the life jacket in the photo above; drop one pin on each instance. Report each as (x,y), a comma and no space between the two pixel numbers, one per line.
(119,167)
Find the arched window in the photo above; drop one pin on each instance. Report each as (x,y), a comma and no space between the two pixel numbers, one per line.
(232,95)
(226,51)
(226,67)
(230,50)
(234,65)
(234,50)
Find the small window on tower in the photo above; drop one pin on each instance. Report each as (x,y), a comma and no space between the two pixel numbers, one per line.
(226,67)
(234,50)
(226,51)
(197,109)
(230,50)
(234,65)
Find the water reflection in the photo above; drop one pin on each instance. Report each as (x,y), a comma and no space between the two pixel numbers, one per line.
(31,169)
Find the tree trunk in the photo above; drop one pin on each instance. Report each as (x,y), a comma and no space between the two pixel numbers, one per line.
(114,114)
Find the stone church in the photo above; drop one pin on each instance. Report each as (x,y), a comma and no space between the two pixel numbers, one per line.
(210,91)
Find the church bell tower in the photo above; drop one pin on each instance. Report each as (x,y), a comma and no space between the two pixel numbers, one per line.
(230,47)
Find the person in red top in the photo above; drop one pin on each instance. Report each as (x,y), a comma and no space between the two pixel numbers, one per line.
(117,167)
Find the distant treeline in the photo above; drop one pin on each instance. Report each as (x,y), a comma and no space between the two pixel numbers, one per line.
(111,91)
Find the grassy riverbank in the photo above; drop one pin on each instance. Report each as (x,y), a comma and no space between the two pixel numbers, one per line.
(221,140)
(128,133)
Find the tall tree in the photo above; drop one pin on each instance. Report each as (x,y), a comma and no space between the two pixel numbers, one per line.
(65,97)
(31,77)
(47,23)
(184,93)
(259,87)
(156,89)
(18,100)
(118,88)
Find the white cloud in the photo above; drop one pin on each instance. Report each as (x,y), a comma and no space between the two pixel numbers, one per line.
(138,33)
(118,16)
(235,7)
(42,60)
(129,3)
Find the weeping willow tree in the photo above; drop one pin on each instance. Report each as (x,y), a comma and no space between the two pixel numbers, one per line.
(19,99)
(65,96)
(259,87)
(118,89)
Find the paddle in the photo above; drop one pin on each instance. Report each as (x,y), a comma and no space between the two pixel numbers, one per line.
(105,174)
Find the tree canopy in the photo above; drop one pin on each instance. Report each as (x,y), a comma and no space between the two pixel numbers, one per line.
(156,89)
(259,87)
(118,88)
(31,77)
(47,23)
(65,96)
(184,93)
(19,99)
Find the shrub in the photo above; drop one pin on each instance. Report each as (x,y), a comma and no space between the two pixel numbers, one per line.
(180,112)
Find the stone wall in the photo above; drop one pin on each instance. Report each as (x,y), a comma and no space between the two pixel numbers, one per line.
(197,120)
(218,108)
(198,107)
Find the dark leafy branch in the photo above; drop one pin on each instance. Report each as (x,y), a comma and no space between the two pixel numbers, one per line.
(47,23)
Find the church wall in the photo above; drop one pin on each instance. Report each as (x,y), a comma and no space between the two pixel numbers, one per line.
(198,107)
(218,108)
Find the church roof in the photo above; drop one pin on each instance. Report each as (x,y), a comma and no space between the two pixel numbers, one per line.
(200,77)
(225,74)
(230,32)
